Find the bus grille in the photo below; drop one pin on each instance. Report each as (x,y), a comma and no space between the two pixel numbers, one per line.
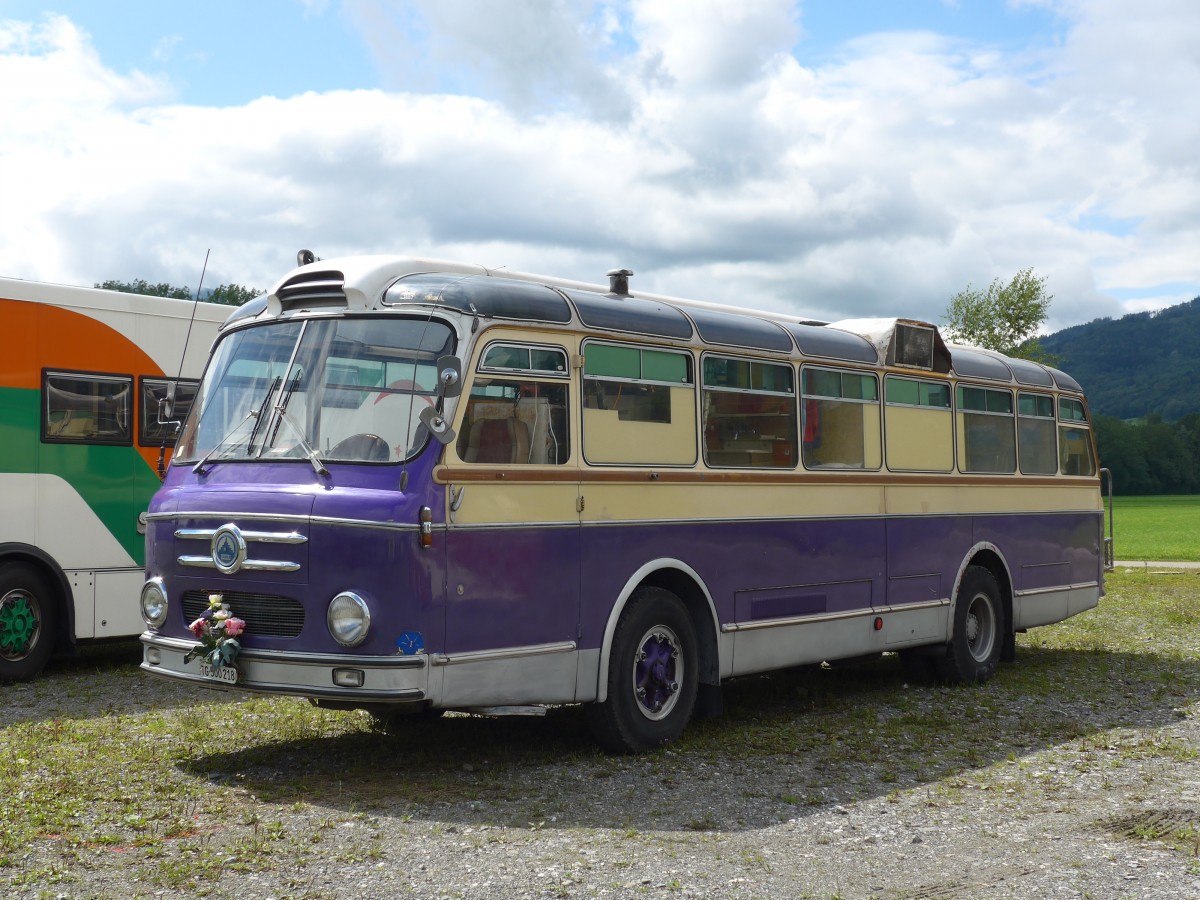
(264,614)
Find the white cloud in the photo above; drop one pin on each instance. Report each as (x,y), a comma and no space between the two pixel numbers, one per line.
(681,140)
(531,54)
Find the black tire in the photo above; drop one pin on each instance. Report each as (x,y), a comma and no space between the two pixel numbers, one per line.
(653,670)
(977,641)
(28,618)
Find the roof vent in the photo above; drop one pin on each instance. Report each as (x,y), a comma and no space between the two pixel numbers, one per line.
(313,290)
(618,282)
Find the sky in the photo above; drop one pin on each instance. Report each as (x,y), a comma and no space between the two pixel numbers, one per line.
(829,158)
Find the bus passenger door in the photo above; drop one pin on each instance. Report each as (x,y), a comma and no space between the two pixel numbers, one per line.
(512,590)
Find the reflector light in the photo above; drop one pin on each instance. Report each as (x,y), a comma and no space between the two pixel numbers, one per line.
(348,677)
(878,623)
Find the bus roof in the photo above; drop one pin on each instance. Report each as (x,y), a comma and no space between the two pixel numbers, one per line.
(363,283)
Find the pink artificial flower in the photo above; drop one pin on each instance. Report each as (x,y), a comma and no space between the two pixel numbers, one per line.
(197,627)
(234,626)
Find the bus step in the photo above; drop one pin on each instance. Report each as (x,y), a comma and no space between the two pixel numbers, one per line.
(507,710)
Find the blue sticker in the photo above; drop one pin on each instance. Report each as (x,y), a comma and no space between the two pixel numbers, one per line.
(410,642)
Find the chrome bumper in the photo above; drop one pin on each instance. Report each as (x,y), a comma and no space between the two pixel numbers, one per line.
(385,679)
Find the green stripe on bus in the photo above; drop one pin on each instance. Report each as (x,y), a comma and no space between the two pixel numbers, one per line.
(114,481)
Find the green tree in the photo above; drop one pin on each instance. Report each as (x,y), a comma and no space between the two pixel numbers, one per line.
(226,294)
(1005,317)
(141,286)
(232,294)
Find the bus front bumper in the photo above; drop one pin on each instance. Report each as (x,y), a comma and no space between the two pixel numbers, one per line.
(365,680)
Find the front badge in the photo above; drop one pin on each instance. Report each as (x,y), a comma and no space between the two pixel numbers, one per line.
(228,549)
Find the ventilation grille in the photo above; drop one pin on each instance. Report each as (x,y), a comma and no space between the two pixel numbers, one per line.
(264,615)
(313,290)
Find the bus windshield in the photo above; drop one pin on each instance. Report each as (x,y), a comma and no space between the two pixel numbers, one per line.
(341,390)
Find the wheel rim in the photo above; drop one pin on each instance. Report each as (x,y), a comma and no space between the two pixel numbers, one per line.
(19,624)
(658,672)
(981,627)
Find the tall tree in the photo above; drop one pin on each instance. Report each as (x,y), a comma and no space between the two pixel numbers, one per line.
(231,294)
(141,286)
(226,294)
(1005,317)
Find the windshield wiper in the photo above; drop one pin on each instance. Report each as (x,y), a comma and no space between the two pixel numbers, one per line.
(281,407)
(258,414)
(318,464)
(282,416)
(251,414)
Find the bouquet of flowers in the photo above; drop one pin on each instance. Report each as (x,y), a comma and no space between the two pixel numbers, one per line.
(217,629)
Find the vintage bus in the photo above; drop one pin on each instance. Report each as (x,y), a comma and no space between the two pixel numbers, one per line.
(423,485)
(82,373)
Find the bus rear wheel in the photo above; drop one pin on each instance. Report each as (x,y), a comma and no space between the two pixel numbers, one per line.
(973,653)
(27,617)
(652,675)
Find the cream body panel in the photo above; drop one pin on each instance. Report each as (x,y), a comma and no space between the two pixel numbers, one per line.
(46,511)
(647,500)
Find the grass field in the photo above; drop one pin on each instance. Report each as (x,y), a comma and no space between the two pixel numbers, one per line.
(110,778)
(1157,528)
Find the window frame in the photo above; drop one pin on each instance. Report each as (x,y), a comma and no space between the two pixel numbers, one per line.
(702,423)
(1052,419)
(961,410)
(123,440)
(145,382)
(482,367)
(877,402)
(948,409)
(1082,424)
(689,358)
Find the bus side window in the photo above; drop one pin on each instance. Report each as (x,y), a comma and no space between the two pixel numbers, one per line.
(86,409)
(986,439)
(749,413)
(1074,448)
(152,431)
(639,405)
(841,420)
(511,422)
(919,426)
(1035,434)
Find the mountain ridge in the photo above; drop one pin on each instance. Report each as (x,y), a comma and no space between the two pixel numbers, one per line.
(1135,366)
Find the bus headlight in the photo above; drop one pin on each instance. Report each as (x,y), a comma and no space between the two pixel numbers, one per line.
(154,602)
(348,618)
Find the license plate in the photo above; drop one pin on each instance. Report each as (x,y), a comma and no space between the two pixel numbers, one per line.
(227,674)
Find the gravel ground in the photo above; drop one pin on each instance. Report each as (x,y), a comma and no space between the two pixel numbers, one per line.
(1111,812)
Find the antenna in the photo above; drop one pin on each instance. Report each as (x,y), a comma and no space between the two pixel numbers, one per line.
(166,406)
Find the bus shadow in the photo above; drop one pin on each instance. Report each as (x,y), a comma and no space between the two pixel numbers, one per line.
(789,744)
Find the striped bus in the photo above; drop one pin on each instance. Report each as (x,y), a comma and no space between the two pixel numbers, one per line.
(424,485)
(82,372)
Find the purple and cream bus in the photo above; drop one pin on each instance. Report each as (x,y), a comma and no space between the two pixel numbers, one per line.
(426,485)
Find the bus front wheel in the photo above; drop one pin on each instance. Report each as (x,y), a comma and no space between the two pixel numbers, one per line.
(27,616)
(973,653)
(652,675)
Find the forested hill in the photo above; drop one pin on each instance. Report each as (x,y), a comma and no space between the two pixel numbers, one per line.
(1139,364)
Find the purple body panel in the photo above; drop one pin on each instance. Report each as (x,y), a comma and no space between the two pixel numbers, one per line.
(492,588)
(362,536)
(519,587)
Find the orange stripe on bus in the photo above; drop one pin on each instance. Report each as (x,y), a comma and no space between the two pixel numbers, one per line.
(47,337)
